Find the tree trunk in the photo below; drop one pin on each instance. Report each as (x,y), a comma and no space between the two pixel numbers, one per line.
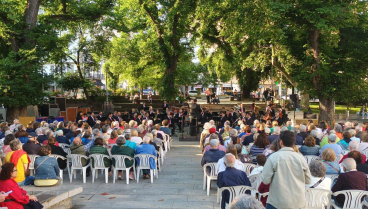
(246,92)
(304,103)
(85,90)
(326,111)
(15,112)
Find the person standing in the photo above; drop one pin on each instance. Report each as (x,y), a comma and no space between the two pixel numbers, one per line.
(208,95)
(287,172)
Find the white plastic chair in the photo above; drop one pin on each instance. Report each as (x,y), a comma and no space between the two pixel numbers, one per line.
(337,159)
(332,177)
(120,166)
(98,164)
(317,198)
(208,178)
(353,198)
(162,156)
(65,147)
(235,191)
(247,167)
(109,146)
(76,161)
(255,180)
(62,158)
(309,158)
(31,164)
(144,163)
(260,195)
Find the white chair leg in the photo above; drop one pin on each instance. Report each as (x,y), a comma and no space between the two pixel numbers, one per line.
(208,186)
(127,175)
(71,175)
(218,195)
(151,172)
(75,173)
(96,174)
(156,173)
(135,175)
(106,175)
(204,181)
(114,175)
(61,175)
(84,175)
(93,175)
(138,175)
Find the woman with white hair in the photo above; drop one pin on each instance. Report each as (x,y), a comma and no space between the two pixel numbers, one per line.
(205,132)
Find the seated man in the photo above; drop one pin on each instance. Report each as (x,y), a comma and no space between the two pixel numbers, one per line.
(32,146)
(213,155)
(147,148)
(208,147)
(41,137)
(20,158)
(61,138)
(332,144)
(353,146)
(231,177)
(165,127)
(350,180)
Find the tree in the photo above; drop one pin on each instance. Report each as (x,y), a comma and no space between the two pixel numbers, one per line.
(72,82)
(27,36)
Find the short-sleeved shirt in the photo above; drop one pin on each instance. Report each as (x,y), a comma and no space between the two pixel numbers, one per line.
(20,166)
(336,148)
(166,130)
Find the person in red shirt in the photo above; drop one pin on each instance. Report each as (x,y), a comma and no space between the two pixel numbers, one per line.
(353,146)
(18,198)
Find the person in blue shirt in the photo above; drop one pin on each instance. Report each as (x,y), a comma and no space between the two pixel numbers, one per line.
(165,127)
(128,143)
(60,138)
(332,144)
(147,148)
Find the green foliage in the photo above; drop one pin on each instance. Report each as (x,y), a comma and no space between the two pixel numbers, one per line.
(72,82)
(21,82)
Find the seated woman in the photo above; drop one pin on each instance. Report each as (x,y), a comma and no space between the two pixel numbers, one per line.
(244,158)
(318,172)
(226,131)
(328,158)
(113,137)
(99,149)
(238,165)
(358,157)
(7,140)
(18,198)
(121,149)
(274,147)
(260,144)
(309,147)
(46,168)
(344,143)
(55,150)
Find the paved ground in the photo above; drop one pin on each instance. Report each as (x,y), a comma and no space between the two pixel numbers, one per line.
(179,185)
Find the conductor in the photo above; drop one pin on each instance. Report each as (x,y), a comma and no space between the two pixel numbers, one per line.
(195,111)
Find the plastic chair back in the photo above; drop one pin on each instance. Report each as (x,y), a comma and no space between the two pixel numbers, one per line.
(236,191)
(353,198)
(256,180)
(309,158)
(76,160)
(32,158)
(98,160)
(144,160)
(247,167)
(317,198)
(120,161)
(212,166)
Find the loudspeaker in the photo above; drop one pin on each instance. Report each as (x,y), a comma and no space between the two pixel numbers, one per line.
(61,101)
(55,112)
(294,100)
(45,108)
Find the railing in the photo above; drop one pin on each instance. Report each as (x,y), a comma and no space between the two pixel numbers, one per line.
(94,76)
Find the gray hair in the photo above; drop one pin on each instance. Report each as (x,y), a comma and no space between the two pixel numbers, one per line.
(245,202)
(120,141)
(154,132)
(233,133)
(39,131)
(19,127)
(267,130)
(349,164)
(229,160)
(95,132)
(348,125)
(317,168)
(352,132)
(359,128)
(314,133)
(15,145)
(214,136)
(59,133)
(8,132)
(105,129)
(276,130)
(255,136)
(214,142)
(254,130)
(303,128)
(354,145)
(338,128)
(150,135)
(140,129)
(332,137)
(284,128)
(150,122)
(294,130)
(146,139)
(116,123)
(45,130)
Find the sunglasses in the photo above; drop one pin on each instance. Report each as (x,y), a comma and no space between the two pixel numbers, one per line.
(15,170)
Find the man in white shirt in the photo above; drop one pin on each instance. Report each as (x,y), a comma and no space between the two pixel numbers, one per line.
(287,172)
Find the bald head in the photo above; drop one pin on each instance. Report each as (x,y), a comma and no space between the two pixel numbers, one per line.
(353,145)
(229,160)
(77,141)
(348,164)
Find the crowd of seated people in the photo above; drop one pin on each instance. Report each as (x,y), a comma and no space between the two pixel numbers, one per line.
(338,151)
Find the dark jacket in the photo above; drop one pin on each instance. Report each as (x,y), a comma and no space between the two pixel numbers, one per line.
(299,140)
(69,135)
(63,140)
(303,135)
(65,131)
(78,149)
(55,150)
(273,137)
(231,177)
(362,167)
(123,150)
(100,150)
(47,168)
(352,180)
(31,148)
(91,122)
(211,156)
(42,138)
(248,139)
